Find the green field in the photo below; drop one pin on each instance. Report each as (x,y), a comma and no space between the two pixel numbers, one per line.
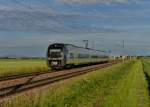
(122,85)
(21,66)
(146,64)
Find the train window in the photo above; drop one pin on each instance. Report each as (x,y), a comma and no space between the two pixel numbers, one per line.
(100,56)
(103,56)
(94,56)
(71,55)
(83,55)
(55,54)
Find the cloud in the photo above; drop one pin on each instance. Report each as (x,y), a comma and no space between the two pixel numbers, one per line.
(89,2)
(26,16)
(52,21)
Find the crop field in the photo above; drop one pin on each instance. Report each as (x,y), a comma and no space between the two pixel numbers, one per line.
(121,85)
(21,66)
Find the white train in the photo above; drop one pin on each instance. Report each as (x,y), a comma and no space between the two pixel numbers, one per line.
(60,55)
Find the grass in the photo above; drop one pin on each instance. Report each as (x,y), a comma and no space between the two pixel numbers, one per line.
(85,91)
(146,64)
(132,90)
(21,66)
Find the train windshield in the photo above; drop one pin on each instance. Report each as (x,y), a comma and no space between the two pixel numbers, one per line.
(55,54)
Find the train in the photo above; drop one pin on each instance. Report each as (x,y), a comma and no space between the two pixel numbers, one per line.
(61,55)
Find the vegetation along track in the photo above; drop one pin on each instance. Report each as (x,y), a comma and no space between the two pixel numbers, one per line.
(131,91)
(13,86)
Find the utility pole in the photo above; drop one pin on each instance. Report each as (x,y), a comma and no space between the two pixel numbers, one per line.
(123,45)
(86,43)
(123,54)
(93,45)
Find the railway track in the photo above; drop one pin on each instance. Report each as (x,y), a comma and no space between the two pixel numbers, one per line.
(21,76)
(14,85)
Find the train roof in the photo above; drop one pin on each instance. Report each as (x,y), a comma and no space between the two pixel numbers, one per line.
(64,44)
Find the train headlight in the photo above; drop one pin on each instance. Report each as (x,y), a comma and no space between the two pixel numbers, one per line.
(54,63)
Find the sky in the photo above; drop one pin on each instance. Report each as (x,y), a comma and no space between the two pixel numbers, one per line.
(27,27)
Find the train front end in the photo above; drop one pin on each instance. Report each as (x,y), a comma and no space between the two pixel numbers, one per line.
(56,56)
